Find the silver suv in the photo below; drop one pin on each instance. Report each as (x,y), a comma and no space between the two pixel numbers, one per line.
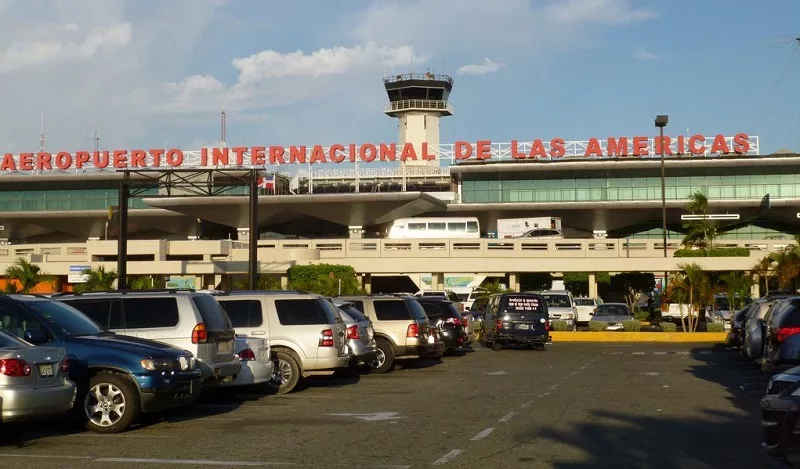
(402,330)
(305,331)
(186,319)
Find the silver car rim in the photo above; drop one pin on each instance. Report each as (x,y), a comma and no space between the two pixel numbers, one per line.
(284,372)
(104,404)
(380,359)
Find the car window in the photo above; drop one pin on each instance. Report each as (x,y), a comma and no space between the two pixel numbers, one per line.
(584,302)
(243,313)
(8,340)
(301,312)
(416,309)
(392,310)
(434,293)
(557,301)
(612,310)
(150,313)
(354,313)
(452,297)
(63,317)
(104,311)
(524,303)
(214,316)
(432,310)
(359,305)
(462,296)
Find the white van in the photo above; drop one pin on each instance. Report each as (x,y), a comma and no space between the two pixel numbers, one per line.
(434,227)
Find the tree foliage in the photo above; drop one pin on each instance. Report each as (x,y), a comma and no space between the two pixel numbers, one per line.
(264,282)
(27,275)
(98,279)
(692,286)
(699,233)
(631,284)
(325,279)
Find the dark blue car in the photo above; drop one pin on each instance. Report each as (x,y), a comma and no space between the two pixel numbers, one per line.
(118,376)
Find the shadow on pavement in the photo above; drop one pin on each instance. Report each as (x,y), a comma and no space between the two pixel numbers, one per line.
(729,437)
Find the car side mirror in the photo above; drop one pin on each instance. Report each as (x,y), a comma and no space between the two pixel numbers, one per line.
(37,337)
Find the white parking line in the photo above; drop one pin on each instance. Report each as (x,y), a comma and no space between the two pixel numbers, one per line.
(448,457)
(659,353)
(507,417)
(42,456)
(196,462)
(483,434)
(526,405)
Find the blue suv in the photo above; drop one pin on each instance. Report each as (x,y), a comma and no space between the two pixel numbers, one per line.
(118,376)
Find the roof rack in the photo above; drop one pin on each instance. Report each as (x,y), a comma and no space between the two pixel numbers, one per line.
(35,295)
(267,292)
(128,291)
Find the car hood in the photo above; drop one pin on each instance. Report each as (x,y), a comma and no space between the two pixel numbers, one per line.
(128,344)
(559,309)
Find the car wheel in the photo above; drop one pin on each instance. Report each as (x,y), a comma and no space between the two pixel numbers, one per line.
(384,360)
(496,347)
(287,374)
(110,404)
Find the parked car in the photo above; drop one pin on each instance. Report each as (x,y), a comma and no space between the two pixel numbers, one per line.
(719,311)
(33,380)
(402,330)
(446,294)
(736,334)
(257,367)
(516,319)
(118,377)
(782,336)
(439,347)
(185,319)
(561,307)
(449,324)
(306,334)
(754,329)
(780,411)
(614,314)
(360,335)
(469,298)
(584,307)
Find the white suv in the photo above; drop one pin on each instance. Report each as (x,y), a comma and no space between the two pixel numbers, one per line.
(185,319)
(306,334)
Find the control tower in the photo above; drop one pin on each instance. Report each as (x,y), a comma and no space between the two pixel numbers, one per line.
(418,101)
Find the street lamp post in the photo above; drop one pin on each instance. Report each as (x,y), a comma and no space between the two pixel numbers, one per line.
(661,122)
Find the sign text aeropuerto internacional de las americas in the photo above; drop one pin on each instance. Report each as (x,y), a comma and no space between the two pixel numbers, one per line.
(621,147)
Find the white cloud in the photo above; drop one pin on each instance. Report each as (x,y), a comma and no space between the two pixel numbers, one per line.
(644,54)
(24,54)
(487,66)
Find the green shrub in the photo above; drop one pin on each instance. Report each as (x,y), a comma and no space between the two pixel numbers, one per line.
(598,326)
(641,315)
(632,325)
(558,325)
(324,279)
(716,252)
(715,327)
(668,326)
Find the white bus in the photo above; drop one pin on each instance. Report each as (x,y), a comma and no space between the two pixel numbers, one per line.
(434,227)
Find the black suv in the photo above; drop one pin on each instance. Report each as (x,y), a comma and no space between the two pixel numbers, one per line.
(516,319)
(446,319)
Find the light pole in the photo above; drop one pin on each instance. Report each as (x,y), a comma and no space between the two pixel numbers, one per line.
(661,122)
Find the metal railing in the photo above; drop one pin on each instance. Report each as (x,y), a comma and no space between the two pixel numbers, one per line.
(418,76)
(426,104)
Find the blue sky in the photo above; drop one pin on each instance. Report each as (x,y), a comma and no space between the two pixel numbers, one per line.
(310,72)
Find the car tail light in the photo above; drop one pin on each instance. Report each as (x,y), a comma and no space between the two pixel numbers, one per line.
(247,355)
(352,332)
(14,367)
(547,325)
(199,334)
(64,365)
(413,330)
(498,324)
(782,333)
(326,338)
(464,322)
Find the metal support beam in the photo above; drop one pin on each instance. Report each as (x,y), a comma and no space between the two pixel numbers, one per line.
(252,266)
(122,240)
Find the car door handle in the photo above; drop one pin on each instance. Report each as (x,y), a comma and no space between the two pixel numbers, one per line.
(258,333)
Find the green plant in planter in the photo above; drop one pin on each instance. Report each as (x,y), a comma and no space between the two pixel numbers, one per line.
(715,327)
(559,325)
(641,315)
(632,325)
(668,326)
(598,326)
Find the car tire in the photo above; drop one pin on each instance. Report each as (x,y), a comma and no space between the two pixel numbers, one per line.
(384,362)
(496,347)
(289,372)
(111,403)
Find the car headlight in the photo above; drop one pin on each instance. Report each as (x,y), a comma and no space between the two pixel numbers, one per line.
(567,316)
(186,363)
(157,364)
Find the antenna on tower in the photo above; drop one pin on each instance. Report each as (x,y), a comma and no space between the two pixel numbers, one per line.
(222,136)
(41,134)
(411,56)
(96,137)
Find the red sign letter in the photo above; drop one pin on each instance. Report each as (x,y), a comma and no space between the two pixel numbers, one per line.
(617,147)
(640,146)
(557,149)
(515,153)
(741,143)
(483,149)
(693,148)
(462,150)
(593,148)
(720,145)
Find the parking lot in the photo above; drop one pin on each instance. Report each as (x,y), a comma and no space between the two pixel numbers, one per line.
(572,406)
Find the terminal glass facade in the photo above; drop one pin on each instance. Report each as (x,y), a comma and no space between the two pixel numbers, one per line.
(596,189)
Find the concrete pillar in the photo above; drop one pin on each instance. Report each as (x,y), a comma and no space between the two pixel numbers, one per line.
(437,281)
(284,282)
(513,282)
(755,289)
(592,285)
(366,283)
(217,280)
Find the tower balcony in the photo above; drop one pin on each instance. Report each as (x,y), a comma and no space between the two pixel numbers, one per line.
(395,108)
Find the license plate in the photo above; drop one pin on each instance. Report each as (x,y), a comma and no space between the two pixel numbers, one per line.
(431,340)
(46,371)
(523,327)
(263,354)
(225,347)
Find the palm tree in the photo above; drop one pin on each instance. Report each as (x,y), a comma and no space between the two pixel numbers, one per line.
(736,284)
(97,280)
(700,233)
(141,282)
(27,275)
(692,284)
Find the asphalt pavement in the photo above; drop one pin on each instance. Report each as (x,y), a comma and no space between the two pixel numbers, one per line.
(573,406)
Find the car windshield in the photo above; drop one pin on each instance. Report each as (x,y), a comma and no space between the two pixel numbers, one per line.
(584,302)
(612,310)
(721,303)
(8,340)
(557,301)
(65,318)
(416,309)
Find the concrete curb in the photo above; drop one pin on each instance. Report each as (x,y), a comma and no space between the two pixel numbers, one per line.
(621,336)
